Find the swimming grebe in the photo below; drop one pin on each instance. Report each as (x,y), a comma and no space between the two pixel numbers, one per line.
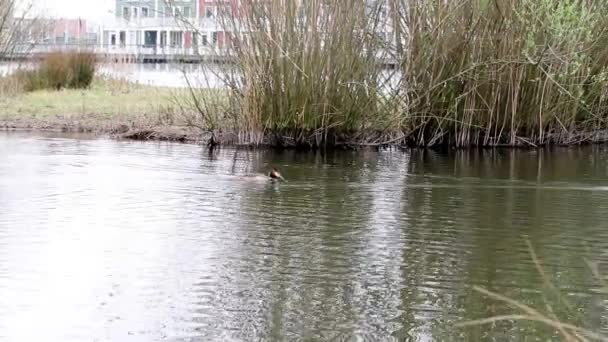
(273,175)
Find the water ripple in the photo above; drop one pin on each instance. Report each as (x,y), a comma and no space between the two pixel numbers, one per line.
(110,241)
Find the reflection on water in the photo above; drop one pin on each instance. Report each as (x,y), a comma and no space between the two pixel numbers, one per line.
(126,241)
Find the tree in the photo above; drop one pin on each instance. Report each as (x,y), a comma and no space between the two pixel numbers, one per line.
(13,24)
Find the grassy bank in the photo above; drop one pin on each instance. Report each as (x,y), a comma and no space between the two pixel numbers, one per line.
(64,92)
(105,98)
(108,106)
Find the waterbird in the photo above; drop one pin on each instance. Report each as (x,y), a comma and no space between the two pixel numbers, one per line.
(273,175)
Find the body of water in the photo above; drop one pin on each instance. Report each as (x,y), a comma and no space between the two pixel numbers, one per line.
(176,75)
(7,68)
(153,74)
(104,240)
(167,75)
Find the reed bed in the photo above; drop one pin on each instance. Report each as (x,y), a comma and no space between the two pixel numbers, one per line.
(72,70)
(515,72)
(306,75)
(468,72)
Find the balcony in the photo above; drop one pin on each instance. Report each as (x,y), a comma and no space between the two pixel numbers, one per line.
(134,51)
(166,51)
(161,23)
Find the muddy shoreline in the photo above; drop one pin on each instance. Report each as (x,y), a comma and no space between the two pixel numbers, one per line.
(113,129)
(138,130)
(129,130)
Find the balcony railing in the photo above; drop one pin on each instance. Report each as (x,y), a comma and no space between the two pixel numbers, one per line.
(168,22)
(134,50)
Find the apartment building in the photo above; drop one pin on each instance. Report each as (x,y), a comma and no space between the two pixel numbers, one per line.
(153,27)
(59,31)
(182,27)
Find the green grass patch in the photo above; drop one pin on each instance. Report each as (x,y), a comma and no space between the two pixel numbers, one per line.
(105,98)
(108,105)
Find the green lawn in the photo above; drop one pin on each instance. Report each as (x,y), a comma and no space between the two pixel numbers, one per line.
(105,99)
(106,106)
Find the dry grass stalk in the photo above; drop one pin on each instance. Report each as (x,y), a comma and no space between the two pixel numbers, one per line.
(528,72)
(469,72)
(306,73)
(74,70)
(569,332)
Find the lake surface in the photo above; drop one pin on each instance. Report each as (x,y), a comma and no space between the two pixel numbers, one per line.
(153,74)
(167,74)
(176,75)
(105,240)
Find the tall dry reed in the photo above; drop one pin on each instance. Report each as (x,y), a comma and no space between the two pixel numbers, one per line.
(468,72)
(82,66)
(515,72)
(568,331)
(74,70)
(306,72)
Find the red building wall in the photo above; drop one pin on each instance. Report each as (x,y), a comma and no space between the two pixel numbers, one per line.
(203,4)
(74,28)
(187,39)
(230,5)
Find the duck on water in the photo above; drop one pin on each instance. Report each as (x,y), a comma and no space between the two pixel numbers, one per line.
(273,175)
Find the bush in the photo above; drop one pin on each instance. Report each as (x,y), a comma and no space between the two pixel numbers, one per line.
(60,70)
(29,80)
(55,69)
(83,69)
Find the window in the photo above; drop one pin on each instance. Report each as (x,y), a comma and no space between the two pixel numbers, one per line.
(187,12)
(135,12)
(177,12)
(132,38)
(122,38)
(145,12)
(150,38)
(176,39)
(214,39)
(163,38)
(126,13)
(204,40)
(210,11)
(224,12)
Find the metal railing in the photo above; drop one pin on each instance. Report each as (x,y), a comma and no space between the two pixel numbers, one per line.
(133,50)
(159,23)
